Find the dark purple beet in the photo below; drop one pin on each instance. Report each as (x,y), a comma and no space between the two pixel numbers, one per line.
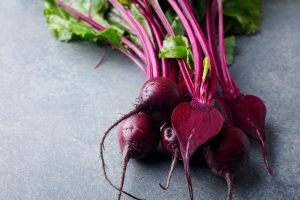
(226,153)
(249,114)
(194,124)
(170,145)
(138,138)
(160,96)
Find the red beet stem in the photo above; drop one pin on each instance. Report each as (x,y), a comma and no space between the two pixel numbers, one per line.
(229,179)
(99,27)
(196,49)
(125,160)
(174,161)
(183,67)
(265,153)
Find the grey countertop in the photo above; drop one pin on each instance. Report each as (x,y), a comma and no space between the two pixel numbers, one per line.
(54,107)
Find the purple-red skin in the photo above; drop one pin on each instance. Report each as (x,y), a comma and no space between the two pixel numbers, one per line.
(226,153)
(249,114)
(194,124)
(248,111)
(158,97)
(137,138)
(170,146)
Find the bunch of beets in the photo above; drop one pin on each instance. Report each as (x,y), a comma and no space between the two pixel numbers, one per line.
(184,104)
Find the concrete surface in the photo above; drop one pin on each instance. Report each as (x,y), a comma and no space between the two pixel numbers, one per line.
(54,107)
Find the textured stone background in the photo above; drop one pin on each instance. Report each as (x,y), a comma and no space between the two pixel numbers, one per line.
(54,106)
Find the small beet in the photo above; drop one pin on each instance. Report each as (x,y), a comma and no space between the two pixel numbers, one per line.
(249,113)
(170,146)
(138,138)
(194,124)
(169,141)
(226,153)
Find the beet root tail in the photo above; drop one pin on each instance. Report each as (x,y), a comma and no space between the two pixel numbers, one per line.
(174,161)
(135,111)
(186,163)
(125,160)
(265,154)
(229,179)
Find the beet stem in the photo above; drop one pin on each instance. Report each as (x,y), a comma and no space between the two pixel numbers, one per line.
(181,63)
(187,10)
(265,153)
(228,177)
(196,49)
(211,36)
(125,160)
(174,161)
(135,111)
(99,27)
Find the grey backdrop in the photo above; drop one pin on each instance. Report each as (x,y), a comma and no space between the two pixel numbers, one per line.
(54,107)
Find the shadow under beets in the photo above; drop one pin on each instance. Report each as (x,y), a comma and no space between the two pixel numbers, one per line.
(248,175)
(155,158)
(158,156)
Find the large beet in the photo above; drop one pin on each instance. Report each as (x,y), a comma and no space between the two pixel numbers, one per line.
(194,124)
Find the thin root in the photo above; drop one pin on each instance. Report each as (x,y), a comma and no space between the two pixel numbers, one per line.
(174,161)
(265,154)
(228,177)
(103,57)
(125,160)
(135,111)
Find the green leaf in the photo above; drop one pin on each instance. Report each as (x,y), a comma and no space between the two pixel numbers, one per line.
(175,22)
(199,9)
(174,52)
(242,18)
(135,40)
(126,3)
(66,27)
(177,47)
(170,42)
(229,46)
(111,35)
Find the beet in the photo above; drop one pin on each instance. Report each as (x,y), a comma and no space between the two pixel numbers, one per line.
(138,138)
(249,113)
(194,124)
(158,98)
(226,153)
(170,145)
